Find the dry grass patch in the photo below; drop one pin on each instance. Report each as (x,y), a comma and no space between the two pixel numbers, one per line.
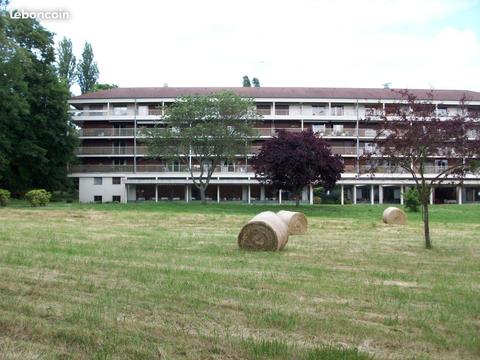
(169,282)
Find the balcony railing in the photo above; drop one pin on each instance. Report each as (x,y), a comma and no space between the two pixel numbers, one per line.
(105,132)
(429,169)
(123,112)
(87,168)
(110,150)
(261,111)
(128,150)
(141,132)
(344,150)
(282,111)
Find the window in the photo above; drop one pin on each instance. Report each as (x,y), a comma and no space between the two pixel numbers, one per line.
(318,129)
(119,110)
(442,112)
(97,181)
(319,110)
(263,109)
(337,129)
(372,111)
(337,110)
(143,110)
(441,165)
(282,110)
(116,181)
(116,198)
(96,109)
(97,198)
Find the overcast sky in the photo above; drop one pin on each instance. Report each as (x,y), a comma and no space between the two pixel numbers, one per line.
(414,44)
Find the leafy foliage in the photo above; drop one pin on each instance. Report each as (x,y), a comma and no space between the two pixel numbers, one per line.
(87,70)
(292,161)
(36,138)
(66,62)
(40,197)
(4,197)
(100,87)
(411,199)
(255,82)
(211,130)
(327,196)
(246,81)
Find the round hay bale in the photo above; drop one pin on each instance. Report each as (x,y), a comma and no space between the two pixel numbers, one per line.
(393,215)
(266,231)
(296,222)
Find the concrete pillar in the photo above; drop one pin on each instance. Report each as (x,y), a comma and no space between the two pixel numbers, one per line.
(249,193)
(354,194)
(262,192)
(459,195)
(156,193)
(244,193)
(280,196)
(311,195)
(380,194)
(432,193)
(372,194)
(342,195)
(401,194)
(218,193)
(125,193)
(187,193)
(305,191)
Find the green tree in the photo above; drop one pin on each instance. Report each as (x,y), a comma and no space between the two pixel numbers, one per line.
(36,138)
(100,87)
(66,62)
(246,81)
(87,70)
(256,82)
(203,132)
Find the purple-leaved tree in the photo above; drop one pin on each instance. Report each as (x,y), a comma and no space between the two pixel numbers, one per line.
(291,161)
(415,133)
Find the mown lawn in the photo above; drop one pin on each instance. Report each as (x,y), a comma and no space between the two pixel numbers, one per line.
(167,281)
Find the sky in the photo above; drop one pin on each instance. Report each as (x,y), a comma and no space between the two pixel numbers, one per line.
(318,43)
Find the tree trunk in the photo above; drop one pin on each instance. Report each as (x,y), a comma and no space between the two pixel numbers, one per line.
(202,194)
(297,200)
(426,226)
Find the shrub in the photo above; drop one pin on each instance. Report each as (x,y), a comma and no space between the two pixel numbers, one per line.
(4,197)
(317,200)
(411,199)
(332,197)
(39,197)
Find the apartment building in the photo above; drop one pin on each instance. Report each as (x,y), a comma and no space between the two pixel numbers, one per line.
(113,164)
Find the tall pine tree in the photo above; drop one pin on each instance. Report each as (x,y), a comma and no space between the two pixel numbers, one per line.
(246,81)
(87,70)
(66,62)
(36,138)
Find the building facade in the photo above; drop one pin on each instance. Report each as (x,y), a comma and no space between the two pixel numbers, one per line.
(113,164)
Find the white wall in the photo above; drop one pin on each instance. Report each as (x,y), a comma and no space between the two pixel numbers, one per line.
(87,189)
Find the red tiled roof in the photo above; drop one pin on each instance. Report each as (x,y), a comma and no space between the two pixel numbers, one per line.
(277,92)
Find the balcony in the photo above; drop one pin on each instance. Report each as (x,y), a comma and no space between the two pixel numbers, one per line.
(264,111)
(385,169)
(234,169)
(117,114)
(344,150)
(110,150)
(106,132)
(91,151)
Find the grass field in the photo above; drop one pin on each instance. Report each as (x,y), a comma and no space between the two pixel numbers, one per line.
(151,281)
